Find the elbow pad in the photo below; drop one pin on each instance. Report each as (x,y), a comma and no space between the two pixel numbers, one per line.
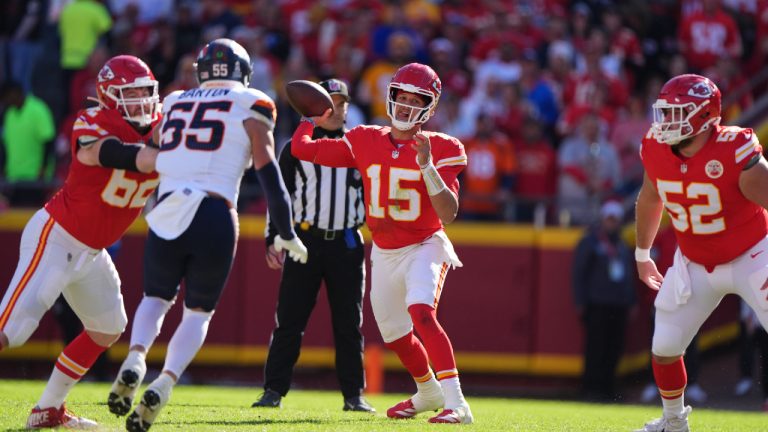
(114,154)
(278,202)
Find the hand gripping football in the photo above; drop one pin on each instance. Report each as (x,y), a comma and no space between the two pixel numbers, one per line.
(308,98)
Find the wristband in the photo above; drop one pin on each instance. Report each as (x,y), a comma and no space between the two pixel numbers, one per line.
(432,179)
(642,255)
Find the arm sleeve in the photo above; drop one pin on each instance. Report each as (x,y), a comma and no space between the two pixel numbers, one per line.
(278,202)
(335,153)
(287,164)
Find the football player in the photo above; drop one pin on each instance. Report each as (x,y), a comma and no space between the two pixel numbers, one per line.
(711,180)
(62,247)
(210,136)
(411,190)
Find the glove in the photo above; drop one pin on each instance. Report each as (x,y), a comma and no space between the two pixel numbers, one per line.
(296,249)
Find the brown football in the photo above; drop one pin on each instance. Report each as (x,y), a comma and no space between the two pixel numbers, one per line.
(308,98)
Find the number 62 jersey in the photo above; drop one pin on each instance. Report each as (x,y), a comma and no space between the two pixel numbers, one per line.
(714,222)
(203,141)
(97,204)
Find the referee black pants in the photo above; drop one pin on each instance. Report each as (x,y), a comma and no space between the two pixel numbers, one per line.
(338,262)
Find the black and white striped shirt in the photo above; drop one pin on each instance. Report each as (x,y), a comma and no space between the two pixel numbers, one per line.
(323,197)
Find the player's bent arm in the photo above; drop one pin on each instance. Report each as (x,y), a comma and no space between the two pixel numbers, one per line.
(110,152)
(446,205)
(753,182)
(263,152)
(324,151)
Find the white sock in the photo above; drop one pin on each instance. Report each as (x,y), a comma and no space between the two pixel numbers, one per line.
(163,385)
(57,389)
(187,340)
(673,407)
(148,320)
(452,392)
(430,388)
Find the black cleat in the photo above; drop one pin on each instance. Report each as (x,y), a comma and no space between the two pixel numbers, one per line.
(358,403)
(268,399)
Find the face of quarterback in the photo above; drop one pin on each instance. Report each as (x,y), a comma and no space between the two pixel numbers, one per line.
(405,104)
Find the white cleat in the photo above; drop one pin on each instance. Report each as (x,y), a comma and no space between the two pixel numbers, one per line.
(126,384)
(459,415)
(152,402)
(669,424)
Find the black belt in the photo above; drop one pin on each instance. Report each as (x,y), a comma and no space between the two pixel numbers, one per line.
(319,232)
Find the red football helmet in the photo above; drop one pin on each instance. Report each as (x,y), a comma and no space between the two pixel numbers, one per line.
(127,72)
(413,78)
(687,106)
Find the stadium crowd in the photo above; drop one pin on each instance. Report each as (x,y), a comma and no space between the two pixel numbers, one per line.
(550,97)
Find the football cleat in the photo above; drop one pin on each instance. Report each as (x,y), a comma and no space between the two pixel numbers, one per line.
(460,415)
(415,405)
(58,417)
(146,411)
(123,391)
(669,424)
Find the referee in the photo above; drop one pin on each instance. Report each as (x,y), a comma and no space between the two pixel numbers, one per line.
(327,209)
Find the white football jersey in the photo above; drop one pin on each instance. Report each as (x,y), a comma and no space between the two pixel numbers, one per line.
(203,143)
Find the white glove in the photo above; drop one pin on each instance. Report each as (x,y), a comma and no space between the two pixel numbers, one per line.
(296,249)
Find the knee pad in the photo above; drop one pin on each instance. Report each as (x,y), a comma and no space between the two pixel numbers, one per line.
(668,341)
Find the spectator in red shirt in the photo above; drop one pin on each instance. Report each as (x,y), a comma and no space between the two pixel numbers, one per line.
(536,180)
(706,35)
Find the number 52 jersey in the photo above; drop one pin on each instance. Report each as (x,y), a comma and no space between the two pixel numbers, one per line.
(204,143)
(714,222)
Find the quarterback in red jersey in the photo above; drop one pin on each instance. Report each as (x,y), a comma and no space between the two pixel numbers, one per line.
(62,247)
(411,190)
(711,179)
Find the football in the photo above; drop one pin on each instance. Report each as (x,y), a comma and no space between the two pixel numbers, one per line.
(308,98)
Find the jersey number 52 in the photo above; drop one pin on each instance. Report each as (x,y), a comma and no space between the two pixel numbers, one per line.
(692,216)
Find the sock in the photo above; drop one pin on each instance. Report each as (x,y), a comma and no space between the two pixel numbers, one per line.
(671,380)
(135,361)
(187,340)
(435,341)
(413,356)
(452,392)
(147,320)
(71,365)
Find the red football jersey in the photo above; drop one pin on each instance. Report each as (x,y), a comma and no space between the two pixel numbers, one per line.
(398,208)
(97,204)
(714,222)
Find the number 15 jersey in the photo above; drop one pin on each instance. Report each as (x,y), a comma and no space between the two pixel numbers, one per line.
(399,211)
(714,222)
(203,141)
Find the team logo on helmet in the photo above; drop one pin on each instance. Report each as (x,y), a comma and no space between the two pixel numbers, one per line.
(700,90)
(106,74)
(714,169)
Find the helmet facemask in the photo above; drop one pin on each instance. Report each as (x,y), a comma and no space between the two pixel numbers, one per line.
(149,105)
(418,115)
(672,122)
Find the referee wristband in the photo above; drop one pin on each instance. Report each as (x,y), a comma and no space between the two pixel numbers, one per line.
(642,255)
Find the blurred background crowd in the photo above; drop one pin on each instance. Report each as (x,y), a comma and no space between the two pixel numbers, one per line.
(550,97)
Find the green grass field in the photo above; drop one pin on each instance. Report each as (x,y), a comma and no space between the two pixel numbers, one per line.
(207,408)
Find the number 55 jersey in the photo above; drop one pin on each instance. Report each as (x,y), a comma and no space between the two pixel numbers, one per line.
(204,143)
(714,222)
(97,204)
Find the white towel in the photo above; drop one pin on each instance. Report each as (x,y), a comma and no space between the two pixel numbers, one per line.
(682,279)
(448,248)
(173,215)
